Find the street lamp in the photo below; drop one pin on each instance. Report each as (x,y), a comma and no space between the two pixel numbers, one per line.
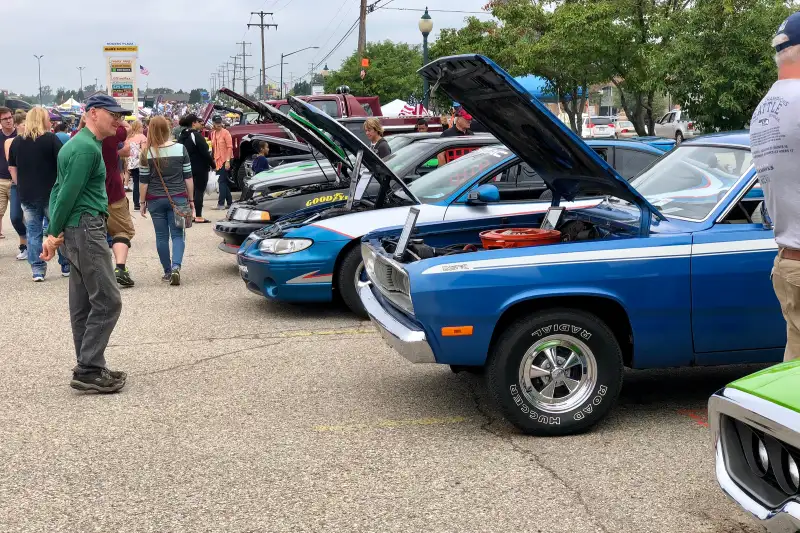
(426,27)
(39,60)
(80,69)
(290,54)
(325,72)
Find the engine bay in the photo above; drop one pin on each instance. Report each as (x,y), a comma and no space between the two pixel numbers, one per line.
(573,230)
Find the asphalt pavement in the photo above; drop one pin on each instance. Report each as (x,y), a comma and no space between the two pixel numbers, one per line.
(241,415)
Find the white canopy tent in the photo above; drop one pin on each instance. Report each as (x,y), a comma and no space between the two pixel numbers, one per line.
(393,108)
(70,104)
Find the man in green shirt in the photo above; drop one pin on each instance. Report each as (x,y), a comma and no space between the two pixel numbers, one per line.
(78,213)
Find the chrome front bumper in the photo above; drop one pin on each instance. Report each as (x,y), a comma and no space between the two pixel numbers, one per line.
(410,343)
(771,418)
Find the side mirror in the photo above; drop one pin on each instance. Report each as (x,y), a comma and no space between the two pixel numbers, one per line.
(485,194)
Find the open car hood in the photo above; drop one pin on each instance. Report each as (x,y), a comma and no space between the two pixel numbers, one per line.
(313,137)
(348,140)
(529,129)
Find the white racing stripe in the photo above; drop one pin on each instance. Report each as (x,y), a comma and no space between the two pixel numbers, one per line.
(610,256)
(735,247)
(624,254)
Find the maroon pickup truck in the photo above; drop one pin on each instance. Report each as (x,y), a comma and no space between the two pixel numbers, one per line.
(351,110)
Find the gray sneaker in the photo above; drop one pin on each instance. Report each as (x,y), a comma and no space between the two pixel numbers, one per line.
(175,277)
(167,276)
(102,382)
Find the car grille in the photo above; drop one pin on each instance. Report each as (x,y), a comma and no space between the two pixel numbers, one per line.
(389,277)
(759,463)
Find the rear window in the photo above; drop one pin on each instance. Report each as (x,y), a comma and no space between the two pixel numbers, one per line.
(330,107)
(600,121)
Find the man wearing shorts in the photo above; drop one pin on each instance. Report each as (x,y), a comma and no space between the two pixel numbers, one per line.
(120,222)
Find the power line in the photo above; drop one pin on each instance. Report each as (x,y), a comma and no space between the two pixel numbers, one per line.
(336,47)
(433,10)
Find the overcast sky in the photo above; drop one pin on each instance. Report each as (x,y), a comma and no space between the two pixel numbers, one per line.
(182,41)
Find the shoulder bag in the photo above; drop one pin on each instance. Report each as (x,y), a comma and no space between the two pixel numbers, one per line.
(182,213)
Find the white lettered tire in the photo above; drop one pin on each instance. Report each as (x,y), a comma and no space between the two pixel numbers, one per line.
(556,372)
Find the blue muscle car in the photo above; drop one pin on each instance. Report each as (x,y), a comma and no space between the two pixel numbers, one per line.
(671,269)
(314,254)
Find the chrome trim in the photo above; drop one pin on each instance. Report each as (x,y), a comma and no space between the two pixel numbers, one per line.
(770,418)
(411,344)
(738,196)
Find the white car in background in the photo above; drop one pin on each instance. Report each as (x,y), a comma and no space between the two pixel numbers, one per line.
(675,125)
(598,128)
(623,129)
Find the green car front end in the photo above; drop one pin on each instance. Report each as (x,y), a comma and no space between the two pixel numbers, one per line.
(755,423)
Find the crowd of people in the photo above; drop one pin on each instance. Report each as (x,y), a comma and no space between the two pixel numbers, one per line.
(67,196)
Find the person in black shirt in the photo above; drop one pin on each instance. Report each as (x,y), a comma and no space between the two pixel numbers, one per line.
(374,131)
(200,157)
(461,126)
(33,163)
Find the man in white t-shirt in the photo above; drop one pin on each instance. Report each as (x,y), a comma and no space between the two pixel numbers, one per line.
(775,144)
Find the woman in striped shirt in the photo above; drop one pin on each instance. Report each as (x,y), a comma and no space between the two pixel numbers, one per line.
(165,173)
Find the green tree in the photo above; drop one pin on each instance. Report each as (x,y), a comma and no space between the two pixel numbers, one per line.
(391,74)
(196,96)
(301,88)
(720,63)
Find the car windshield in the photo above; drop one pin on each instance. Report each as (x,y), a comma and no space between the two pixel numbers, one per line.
(444,181)
(406,156)
(691,180)
(329,107)
(397,142)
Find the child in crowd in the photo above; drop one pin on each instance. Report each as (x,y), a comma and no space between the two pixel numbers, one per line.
(260,163)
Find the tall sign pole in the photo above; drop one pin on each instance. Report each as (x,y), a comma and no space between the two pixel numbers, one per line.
(263,26)
(121,72)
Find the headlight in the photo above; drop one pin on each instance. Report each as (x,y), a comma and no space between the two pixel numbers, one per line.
(284,246)
(763,456)
(794,475)
(251,215)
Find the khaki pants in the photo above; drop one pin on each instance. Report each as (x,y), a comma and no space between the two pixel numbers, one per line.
(786,282)
(120,222)
(5,196)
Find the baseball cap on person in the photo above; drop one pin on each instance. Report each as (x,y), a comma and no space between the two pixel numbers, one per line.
(103,101)
(217,119)
(463,114)
(790,29)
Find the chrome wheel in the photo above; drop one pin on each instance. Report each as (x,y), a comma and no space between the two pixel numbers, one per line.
(359,274)
(558,373)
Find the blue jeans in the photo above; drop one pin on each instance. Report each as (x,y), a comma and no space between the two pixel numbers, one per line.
(37,217)
(17,219)
(225,198)
(166,230)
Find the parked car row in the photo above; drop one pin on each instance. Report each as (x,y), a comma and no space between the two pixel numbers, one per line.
(546,263)
(674,125)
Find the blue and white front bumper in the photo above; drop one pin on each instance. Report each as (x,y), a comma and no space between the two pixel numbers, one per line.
(731,413)
(305,276)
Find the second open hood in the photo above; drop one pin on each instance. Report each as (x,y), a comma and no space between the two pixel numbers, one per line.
(310,135)
(523,124)
(348,140)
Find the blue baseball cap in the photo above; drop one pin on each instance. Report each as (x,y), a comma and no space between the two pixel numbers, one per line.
(103,101)
(791,29)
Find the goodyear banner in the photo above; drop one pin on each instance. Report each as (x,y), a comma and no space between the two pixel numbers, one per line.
(121,69)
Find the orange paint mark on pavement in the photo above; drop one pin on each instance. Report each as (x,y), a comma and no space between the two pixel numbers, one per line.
(701,416)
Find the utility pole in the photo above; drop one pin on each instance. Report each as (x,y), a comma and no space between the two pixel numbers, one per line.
(263,26)
(362,29)
(235,59)
(244,55)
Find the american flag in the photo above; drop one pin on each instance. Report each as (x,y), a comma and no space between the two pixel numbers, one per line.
(409,109)
(144,71)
